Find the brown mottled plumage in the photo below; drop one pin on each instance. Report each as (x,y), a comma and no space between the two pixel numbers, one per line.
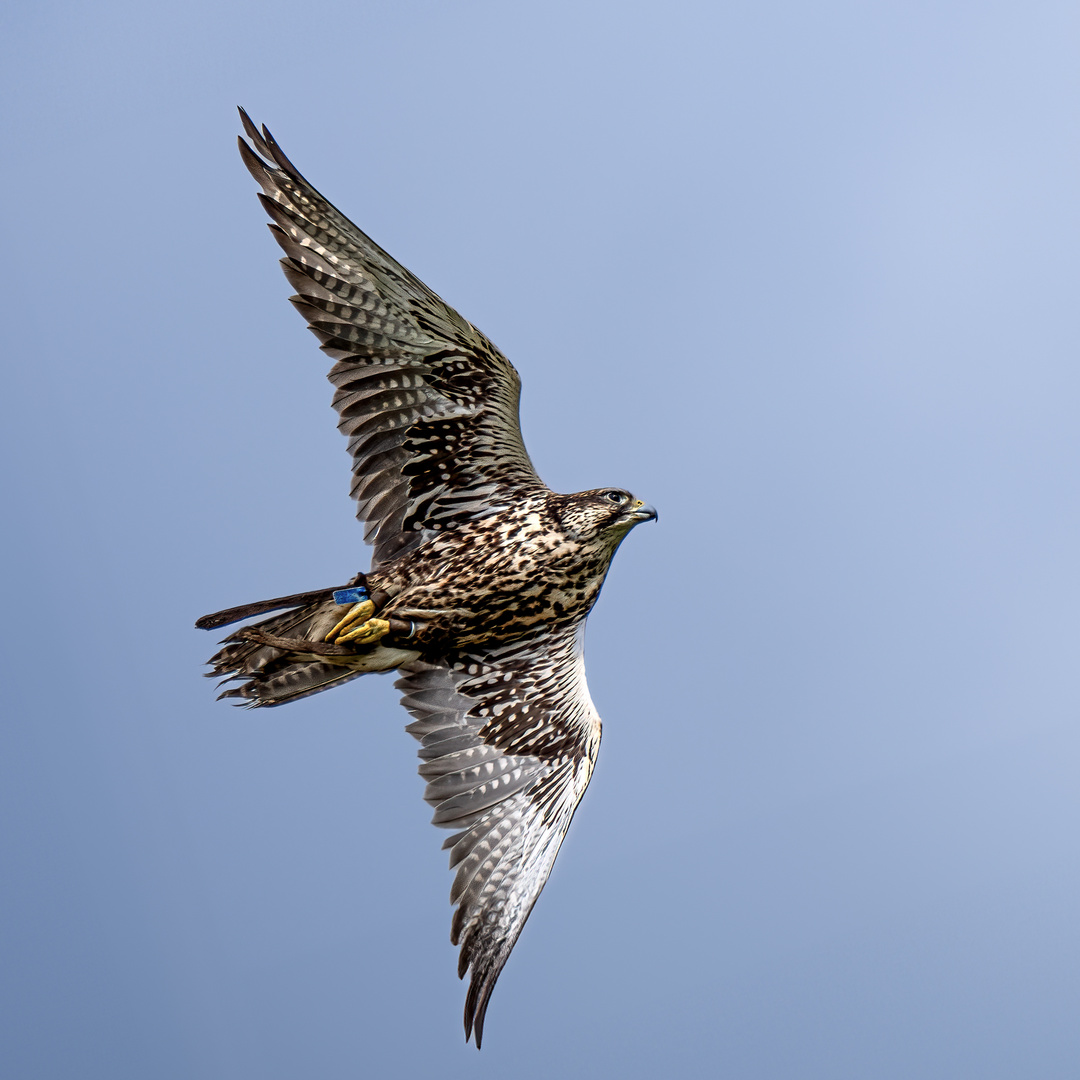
(481,576)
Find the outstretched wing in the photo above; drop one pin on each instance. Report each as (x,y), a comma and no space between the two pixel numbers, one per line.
(509,737)
(429,405)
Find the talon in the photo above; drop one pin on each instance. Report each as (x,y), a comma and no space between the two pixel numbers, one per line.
(358,613)
(371,631)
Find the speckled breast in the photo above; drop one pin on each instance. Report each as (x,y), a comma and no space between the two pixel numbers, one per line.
(493,581)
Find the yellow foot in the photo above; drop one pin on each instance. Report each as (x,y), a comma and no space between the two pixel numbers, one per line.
(357,614)
(369,632)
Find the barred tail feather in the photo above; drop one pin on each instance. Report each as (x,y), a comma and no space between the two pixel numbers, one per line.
(269,676)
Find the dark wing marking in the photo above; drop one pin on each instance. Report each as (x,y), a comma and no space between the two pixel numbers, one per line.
(429,405)
(509,738)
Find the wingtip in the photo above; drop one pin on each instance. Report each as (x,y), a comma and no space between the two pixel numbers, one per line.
(257,141)
(252,162)
(250,129)
(476,1003)
(474,1028)
(277,155)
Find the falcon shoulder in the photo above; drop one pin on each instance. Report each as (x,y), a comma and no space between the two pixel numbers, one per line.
(510,738)
(429,405)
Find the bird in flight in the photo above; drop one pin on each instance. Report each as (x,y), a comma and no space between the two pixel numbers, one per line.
(480,581)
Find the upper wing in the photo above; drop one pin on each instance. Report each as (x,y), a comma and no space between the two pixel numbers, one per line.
(429,404)
(510,738)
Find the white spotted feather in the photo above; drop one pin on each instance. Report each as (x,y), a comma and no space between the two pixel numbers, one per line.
(510,738)
(429,405)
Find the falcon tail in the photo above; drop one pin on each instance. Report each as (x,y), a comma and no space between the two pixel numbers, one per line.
(269,675)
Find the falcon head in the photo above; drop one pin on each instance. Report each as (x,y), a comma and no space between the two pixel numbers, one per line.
(605,514)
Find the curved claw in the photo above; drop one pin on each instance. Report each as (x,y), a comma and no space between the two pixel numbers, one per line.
(370,631)
(358,613)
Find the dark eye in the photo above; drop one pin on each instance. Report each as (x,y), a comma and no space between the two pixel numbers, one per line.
(615,496)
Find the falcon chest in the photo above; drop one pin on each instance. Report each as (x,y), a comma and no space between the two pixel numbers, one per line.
(497,579)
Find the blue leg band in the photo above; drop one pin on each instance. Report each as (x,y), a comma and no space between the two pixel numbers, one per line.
(351,596)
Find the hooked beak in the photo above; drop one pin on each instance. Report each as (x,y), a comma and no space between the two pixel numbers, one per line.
(642,511)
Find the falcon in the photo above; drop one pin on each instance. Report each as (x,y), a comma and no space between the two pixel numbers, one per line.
(481,577)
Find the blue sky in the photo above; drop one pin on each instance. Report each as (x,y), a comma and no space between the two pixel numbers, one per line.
(804,277)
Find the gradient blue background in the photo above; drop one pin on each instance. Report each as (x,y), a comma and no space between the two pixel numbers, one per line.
(802,275)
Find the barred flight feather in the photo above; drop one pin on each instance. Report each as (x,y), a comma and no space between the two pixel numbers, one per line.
(366,309)
(516,805)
